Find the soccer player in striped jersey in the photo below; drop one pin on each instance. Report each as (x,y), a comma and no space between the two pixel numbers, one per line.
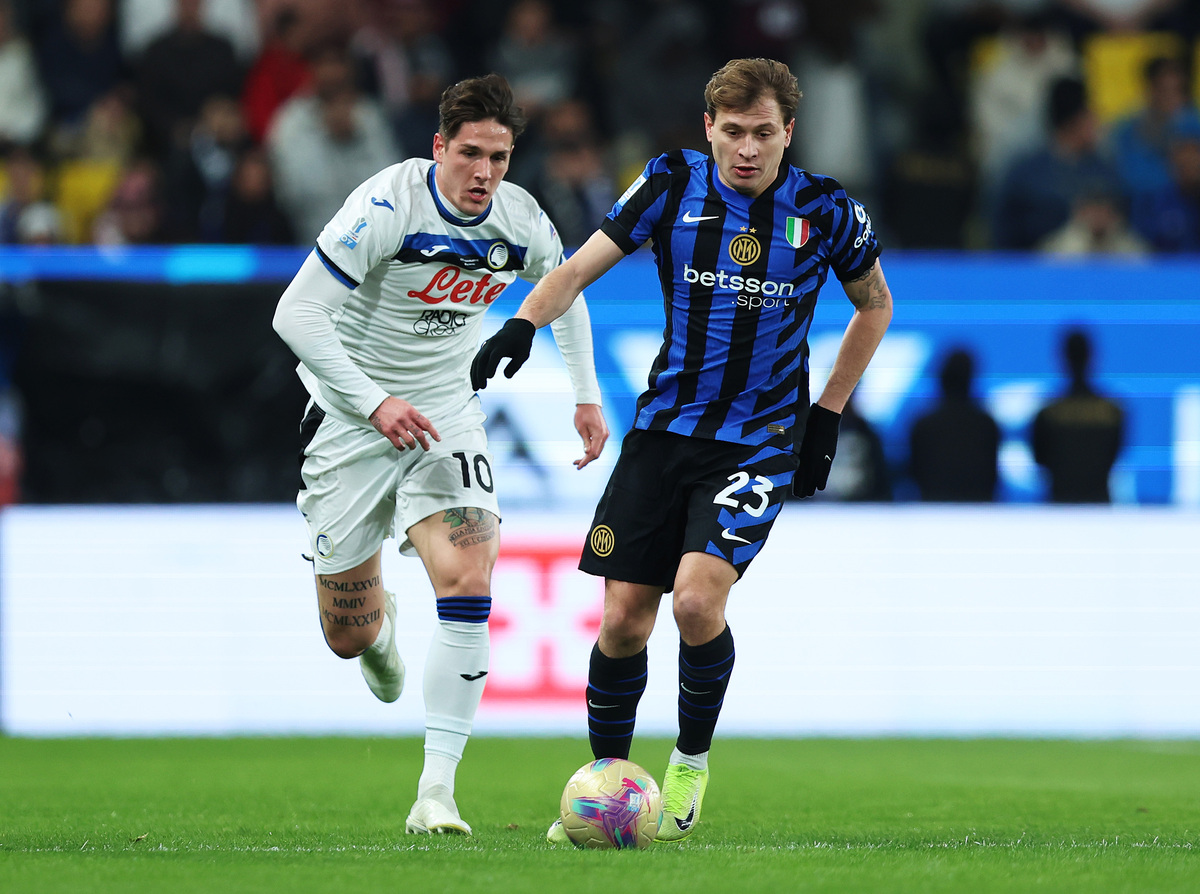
(385,315)
(743,244)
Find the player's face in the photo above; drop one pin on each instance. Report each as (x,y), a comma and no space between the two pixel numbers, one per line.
(748,145)
(471,164)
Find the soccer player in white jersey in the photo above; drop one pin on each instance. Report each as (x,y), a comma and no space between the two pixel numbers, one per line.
(385,316)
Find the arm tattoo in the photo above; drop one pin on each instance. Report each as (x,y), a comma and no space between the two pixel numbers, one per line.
(873,293)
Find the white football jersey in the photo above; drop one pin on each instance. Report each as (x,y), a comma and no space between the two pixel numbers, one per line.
(421,279)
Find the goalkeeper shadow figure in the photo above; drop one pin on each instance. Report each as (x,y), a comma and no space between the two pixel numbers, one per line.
(385,316)
(743,243)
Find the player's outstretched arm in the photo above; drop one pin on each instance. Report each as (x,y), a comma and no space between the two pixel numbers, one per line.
(547,302)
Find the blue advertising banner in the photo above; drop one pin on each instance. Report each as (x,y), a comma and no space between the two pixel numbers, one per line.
(1011,312)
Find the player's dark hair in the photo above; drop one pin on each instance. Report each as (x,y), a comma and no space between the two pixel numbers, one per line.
(478,99)
(740,83)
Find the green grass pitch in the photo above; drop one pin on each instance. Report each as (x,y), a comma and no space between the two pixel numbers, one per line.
(855,815)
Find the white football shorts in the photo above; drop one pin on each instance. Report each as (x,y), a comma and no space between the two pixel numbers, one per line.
(359,489)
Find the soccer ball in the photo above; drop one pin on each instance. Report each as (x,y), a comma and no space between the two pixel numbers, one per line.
(611,803)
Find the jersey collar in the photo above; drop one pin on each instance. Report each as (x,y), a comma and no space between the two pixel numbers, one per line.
(447,214)
(729,193)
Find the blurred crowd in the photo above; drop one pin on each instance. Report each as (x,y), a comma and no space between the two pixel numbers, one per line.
(1066,126)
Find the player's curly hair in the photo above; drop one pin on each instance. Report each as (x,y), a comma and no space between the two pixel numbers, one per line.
(477,99)
(740,83)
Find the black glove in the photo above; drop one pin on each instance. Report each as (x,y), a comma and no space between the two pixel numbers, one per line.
(514,340)
(817,450)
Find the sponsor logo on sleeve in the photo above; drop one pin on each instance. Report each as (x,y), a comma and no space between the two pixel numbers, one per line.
(633,187)
(351,237)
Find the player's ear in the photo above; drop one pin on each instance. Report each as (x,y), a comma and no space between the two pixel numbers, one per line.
(708,127)
(439,147)
(787,133)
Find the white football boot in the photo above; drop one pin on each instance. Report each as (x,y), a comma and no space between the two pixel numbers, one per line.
(436,814)
(382,668)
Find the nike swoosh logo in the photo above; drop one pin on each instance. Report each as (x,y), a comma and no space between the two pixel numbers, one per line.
(437,249)
(685,823)
(592,704)
(382,203)
(693,691)
(731,536)
(688,218)
(471,678)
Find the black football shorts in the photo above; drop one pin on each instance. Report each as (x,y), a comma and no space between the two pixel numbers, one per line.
(670,494)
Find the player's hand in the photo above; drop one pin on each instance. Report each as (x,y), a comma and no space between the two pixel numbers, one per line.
(514,340)
(589,422)
(817,450)
(399,422)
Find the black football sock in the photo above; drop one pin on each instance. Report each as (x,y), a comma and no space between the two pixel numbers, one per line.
(703,677)
(615,686)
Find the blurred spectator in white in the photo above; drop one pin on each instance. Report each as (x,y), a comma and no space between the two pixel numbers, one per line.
(1039,189)
(199,175)
(252,216)
(181,69)
(537,57)
(1097,226)
(1008,97)
(26,191)
(23,108)
(1088,16)
(1140,140)
(278,73)
(40,224)
(833,121)
(407,66)
(144,21)
(573,183)
(135,213)
(80,62)
(1170,218)
(324,144)
(953,33)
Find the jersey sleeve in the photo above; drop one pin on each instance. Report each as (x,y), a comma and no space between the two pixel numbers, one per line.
(545,249)
(855,246)
(636,213)
(366,230)
(572,331)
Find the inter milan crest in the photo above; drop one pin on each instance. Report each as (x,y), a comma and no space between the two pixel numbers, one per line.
(745,249)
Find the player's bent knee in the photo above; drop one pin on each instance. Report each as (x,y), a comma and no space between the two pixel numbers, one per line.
(346,643)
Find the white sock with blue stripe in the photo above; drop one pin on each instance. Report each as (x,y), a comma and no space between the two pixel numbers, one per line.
(455,672)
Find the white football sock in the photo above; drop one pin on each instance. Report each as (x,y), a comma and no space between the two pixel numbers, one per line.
(383,638)
(692,761)
(455,672)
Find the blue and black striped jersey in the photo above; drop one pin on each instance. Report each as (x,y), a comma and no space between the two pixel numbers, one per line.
(739,278)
